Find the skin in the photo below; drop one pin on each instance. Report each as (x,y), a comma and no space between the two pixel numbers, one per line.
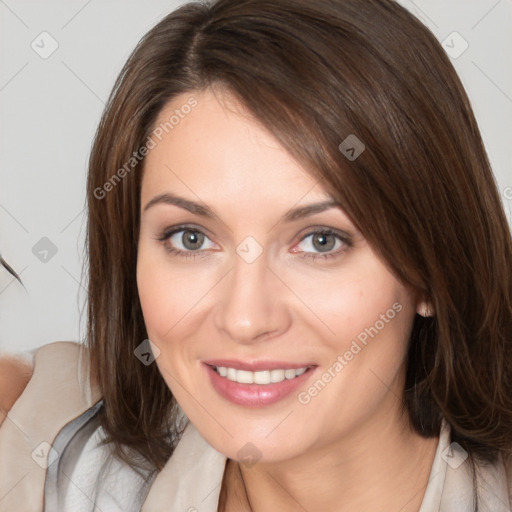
(15,372)
(349,448)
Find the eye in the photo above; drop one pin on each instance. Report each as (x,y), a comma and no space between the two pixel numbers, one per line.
(325,241)
(187,242)
(184,241)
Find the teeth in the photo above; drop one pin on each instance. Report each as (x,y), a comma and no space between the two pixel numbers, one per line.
(289,374)
(277,375)
(262,377)
(244,377)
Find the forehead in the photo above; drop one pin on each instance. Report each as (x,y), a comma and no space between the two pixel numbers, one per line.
(208,145)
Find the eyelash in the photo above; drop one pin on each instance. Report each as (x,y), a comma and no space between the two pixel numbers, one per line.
(193,254)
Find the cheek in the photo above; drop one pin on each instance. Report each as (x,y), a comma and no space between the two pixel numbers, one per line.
(366,316)
(358,303)
(362,358)
(154,296)
(167,299)
(168,293)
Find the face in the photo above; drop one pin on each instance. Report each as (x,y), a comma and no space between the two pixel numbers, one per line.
(275,322)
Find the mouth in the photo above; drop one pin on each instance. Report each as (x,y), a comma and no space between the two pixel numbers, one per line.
(256,384)
(263,377)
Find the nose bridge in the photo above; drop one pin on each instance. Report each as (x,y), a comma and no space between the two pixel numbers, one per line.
(250,305)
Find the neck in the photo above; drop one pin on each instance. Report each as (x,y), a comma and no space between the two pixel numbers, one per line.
(381,466)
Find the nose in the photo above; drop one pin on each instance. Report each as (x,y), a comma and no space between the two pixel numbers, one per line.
(252,303)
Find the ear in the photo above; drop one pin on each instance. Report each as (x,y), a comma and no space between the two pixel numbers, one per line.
(425,309)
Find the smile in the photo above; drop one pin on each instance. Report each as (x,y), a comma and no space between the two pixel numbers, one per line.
(261,377)
(256,384)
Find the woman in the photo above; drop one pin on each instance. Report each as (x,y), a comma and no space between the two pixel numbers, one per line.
(292,201)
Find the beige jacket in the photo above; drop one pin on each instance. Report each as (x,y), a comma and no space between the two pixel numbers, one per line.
(60,391)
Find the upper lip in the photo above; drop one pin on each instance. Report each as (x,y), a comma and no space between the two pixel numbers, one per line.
(256,366)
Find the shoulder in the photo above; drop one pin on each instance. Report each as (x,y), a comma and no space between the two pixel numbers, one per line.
(15,373)
(50,363)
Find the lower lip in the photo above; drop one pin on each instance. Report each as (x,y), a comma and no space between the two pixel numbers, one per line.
(255,395)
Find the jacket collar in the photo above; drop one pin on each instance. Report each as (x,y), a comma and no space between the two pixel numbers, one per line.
(191,479)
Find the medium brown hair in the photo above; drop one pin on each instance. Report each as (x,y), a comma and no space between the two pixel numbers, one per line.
(422,193)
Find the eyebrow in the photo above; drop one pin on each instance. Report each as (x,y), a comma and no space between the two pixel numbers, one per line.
(204,211)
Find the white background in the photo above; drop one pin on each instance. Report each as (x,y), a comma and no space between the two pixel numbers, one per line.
(49,110)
